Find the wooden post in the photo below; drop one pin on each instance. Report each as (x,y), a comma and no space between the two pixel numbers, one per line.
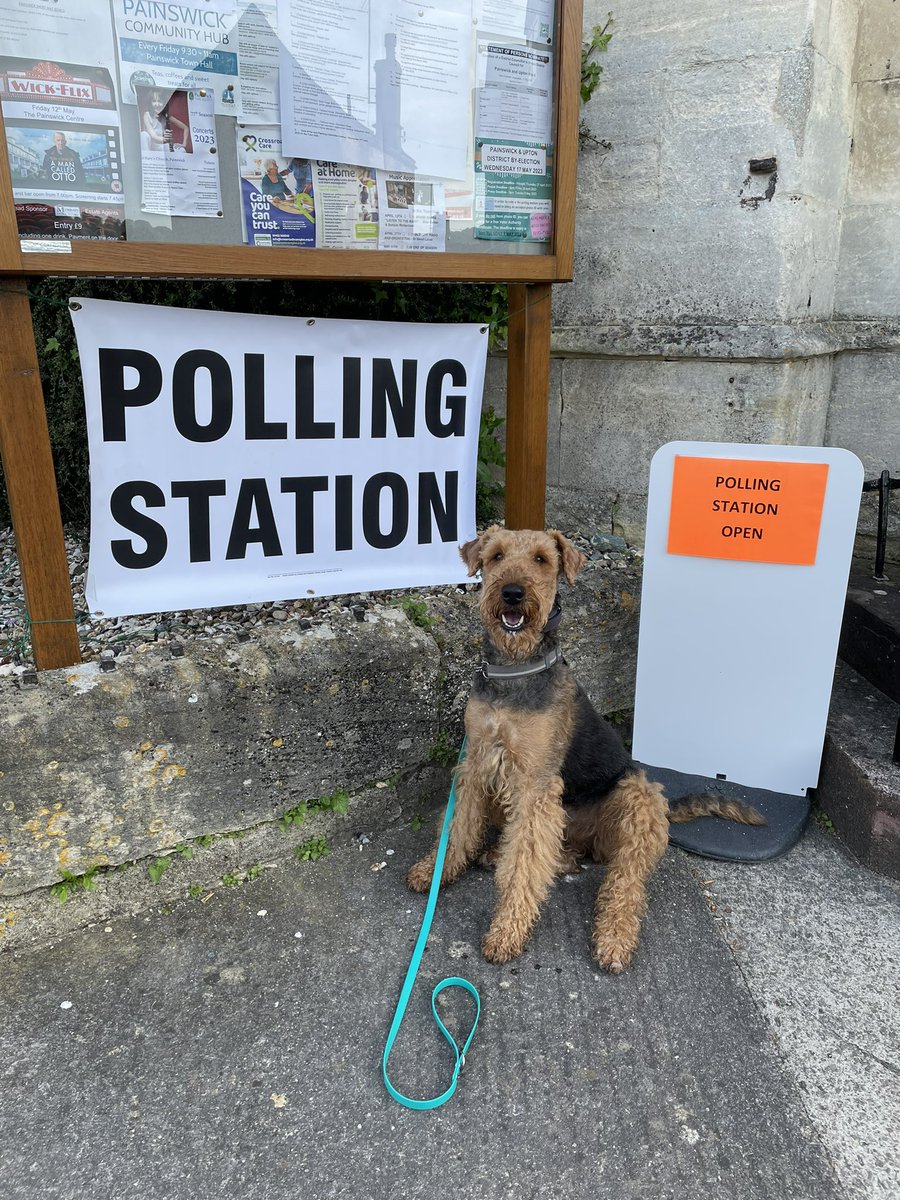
(31,486)
(527,388)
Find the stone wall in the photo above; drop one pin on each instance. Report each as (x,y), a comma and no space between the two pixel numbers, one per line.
(864,414)
(196,758)
(719,297)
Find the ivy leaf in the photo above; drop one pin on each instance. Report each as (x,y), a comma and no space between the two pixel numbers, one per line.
(157,869)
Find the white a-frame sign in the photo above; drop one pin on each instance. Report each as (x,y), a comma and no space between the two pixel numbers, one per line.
(747,557)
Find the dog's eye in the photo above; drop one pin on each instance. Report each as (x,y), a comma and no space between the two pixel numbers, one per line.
(497,556)
(539,558)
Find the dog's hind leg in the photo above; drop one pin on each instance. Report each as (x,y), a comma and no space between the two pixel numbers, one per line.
(632,833)
(467,831)
(529,858)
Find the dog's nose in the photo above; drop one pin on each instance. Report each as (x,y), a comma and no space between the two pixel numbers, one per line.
(513,593)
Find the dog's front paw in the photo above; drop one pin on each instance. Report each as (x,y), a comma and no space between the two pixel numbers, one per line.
(612,953)
(419,876)
(500,945)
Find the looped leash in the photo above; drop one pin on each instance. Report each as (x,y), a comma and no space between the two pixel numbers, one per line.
(452,981)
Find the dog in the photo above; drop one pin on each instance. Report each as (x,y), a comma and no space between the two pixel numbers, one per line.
(544,768)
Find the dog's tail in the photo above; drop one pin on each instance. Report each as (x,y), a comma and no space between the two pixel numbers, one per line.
(714,806)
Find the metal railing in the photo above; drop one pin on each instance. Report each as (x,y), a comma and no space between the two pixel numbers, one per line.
(883,485)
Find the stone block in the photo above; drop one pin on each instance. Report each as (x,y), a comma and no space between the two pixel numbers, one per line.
(870,632)
(99,769)
(877,41)
(618,412)
(654,35)
(834,31)
(868,276)
(859,786)
(725,263)
(864,415)
(875,171)
(103,768)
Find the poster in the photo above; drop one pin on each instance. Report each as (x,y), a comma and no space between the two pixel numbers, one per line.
(188,46)
(382,84)
(179,155)
(78,31)
(240,458)
(513,191)
(412,212)
(459,199)
(533,20)
(346,206)
(514,99)
(277,196)
(63,145)
(258,54)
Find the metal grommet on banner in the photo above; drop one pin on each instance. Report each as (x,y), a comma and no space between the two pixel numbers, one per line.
(74,306)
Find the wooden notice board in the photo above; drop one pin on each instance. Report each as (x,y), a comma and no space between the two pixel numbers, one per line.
(107,170)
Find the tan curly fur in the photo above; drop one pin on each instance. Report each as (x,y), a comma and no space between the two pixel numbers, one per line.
(512,776)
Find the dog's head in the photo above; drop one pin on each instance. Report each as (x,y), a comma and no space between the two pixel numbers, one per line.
(519,572)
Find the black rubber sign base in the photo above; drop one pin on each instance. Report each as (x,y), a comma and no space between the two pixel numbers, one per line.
(713,837)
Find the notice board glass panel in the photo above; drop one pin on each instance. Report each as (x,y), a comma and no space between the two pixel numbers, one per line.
(289,124)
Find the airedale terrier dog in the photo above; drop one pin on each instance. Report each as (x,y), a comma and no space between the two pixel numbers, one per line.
(544,768)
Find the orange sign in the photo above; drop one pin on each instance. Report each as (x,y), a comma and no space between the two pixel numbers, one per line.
(743,509)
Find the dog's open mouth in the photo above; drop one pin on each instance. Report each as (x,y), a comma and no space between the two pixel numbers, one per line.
(512,622)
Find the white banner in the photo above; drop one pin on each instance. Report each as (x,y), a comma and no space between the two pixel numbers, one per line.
(239,458)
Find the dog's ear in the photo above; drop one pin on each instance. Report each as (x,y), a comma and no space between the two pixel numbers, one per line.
(570,560)
(470,552)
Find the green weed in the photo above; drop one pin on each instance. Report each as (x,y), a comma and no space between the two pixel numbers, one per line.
(311,850)
(294,816)
(417,611)
(158,868)
(337,802)
(442,752)
(74,883)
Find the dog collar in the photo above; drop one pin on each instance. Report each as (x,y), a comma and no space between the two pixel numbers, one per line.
(492,671)
(555,616)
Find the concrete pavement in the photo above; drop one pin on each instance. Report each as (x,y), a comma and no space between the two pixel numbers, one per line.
(232,1047)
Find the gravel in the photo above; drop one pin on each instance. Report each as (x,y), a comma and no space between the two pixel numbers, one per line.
(104,638)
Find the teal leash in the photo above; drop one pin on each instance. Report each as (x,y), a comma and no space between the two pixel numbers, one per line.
(452,981)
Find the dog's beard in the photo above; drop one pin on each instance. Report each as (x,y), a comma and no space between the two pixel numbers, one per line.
(515,629)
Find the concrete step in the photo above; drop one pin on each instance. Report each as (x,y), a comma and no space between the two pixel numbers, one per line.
(859,786)
(870,635)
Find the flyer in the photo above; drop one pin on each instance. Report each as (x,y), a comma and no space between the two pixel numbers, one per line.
(258,54)
(458,197)
(60,30)
(530,19)
(190,46)
(346,206)
(412,212)
(513,191)
(514,99)
(277,198)
(63,145)
(384,84)
(179,155)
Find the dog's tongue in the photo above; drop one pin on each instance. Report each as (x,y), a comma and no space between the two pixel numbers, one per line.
(513,620)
